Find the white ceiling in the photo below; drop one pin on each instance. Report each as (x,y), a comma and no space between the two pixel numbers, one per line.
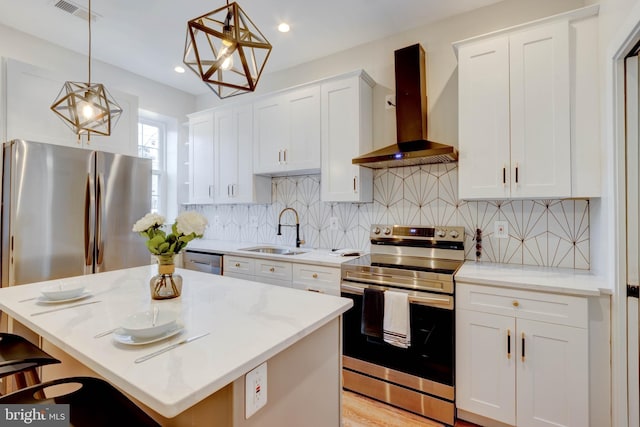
(147,36)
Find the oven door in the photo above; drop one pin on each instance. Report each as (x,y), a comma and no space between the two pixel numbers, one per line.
(431,353)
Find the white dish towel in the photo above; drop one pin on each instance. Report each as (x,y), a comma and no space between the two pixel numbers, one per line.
(396,323)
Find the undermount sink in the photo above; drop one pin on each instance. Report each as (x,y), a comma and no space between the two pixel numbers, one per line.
(274,250)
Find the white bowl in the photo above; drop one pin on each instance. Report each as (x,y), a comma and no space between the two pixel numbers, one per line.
(60,291)
(140,325)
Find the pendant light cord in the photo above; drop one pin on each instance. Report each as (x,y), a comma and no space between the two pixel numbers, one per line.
(89,82)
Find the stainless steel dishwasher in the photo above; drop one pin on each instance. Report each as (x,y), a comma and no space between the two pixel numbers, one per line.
(204,261)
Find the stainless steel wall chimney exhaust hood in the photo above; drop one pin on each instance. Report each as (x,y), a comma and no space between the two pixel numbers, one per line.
(412,147)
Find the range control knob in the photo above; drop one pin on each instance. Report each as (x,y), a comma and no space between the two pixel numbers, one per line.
(453,234)
(376,230)
(387,231)
(441,233)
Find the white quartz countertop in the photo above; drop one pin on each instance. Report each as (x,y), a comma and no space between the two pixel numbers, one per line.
(547,279)
(248,323)
(311,256)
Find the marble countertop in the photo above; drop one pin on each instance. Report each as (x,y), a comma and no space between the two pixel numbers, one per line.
(248,323)
(311,256)
(547,279)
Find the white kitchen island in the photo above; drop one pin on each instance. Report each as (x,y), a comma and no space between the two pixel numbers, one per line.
(297,333)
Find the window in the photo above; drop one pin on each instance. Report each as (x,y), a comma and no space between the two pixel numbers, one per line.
(152,145)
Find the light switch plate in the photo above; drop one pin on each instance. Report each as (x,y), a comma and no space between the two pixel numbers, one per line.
(255,388)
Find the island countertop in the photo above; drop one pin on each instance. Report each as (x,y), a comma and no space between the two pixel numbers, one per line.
(248,323)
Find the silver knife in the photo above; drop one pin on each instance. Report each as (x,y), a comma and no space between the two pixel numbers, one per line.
(169,347)
(63,308)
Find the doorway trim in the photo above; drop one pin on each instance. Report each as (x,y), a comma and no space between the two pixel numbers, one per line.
(619,47)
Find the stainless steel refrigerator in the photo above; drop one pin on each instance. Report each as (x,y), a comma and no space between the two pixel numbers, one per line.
(69,211)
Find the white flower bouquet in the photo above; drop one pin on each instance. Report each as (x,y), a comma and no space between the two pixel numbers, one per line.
(188,226)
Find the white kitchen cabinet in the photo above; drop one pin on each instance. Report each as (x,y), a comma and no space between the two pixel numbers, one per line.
(315,278)
(521,108)
(346,123)
(287,132)
(521,356)
(30,91)
(272,272)
(201,160)
(233,158)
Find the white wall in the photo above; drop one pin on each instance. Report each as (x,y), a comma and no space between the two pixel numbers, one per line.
(152,96)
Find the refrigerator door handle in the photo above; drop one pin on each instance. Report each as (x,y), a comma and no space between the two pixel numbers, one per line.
(88,225)
(99,222)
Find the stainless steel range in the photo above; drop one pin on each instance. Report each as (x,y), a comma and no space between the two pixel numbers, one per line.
(419,262)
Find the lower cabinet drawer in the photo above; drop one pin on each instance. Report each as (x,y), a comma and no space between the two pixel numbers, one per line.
(313,278)
(523,304)
(273,270)
(241,265)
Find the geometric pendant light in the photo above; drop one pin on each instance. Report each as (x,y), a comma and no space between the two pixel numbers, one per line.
(226,50)
(87,107)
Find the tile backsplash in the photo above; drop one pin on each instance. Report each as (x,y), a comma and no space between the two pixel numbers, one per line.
(541,232)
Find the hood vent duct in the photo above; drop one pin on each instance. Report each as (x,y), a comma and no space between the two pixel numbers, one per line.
(412,147)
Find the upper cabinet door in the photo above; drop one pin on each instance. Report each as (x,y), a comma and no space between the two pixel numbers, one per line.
(226,154)
(484,158)
(270,134)
(201,159)
(540,112)
(302,153)
(346,133)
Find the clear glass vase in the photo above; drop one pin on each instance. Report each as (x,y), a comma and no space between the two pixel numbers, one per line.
(166,284)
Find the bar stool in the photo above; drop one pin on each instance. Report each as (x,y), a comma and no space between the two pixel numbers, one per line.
(20,358)
(96,403)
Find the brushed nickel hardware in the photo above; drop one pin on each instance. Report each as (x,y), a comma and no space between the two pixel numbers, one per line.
(508,343)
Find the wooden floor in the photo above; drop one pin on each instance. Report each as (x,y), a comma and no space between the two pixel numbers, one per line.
(360,411)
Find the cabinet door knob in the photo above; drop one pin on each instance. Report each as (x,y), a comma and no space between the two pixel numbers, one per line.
(315,275)
(237,264)
(516,304)
(272,269)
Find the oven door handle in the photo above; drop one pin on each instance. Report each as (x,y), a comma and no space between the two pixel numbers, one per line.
(420,298)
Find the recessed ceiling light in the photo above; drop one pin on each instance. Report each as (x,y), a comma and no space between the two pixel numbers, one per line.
(179,69)
(283,28)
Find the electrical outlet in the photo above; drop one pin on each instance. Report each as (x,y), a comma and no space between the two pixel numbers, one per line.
(253,221)
(389,102)
(501,229)
(333,223)
(255,387)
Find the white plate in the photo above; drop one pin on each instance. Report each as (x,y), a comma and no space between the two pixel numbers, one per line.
(120,336)
(44,300)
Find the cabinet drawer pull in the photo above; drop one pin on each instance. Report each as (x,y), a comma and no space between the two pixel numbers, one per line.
(272,269)
(508,343)
(237,264)
(516,304)
(523,346)
(318,291)
(504,176)
(315,275)
(517,167)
